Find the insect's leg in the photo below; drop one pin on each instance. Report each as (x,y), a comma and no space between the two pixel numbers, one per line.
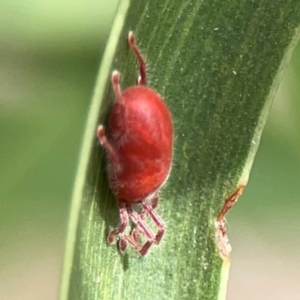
(141,225)
(143,77)
(115,81)
(229,202)
(104,142)
(154,201)
(123,223)
(143,214)
(128,240)
(156,218)
(141,228)
(135,234)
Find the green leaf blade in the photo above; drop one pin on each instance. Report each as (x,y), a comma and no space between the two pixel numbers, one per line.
(217,66)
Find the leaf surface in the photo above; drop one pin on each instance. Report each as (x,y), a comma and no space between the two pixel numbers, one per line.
(217,64)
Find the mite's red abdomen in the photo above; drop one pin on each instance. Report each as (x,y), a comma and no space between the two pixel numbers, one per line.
(141,134)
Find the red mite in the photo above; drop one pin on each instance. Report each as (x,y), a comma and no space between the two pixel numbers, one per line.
(139,145)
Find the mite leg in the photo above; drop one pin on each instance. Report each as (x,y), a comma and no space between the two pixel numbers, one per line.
(136,232)
(115,81)
(127,239)
(140,223)
(142,250)
(141,228)
(153,204)
(150,209)
(104,142)
(143,77)
(229,202)
(143,214)
(124,222)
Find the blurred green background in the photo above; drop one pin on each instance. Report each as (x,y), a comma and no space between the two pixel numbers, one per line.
(49,57)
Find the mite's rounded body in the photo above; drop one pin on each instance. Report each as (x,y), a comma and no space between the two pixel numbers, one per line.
(139,144)
(140,131)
